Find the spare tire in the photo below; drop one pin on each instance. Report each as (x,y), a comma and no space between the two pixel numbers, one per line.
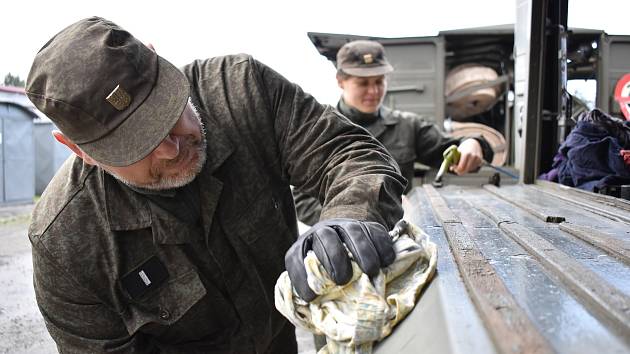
(492,136)
(463,77)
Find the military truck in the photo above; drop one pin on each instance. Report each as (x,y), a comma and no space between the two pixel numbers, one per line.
(531,267)
(588,57)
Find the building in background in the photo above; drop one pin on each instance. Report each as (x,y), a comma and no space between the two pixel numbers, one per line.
(29,156)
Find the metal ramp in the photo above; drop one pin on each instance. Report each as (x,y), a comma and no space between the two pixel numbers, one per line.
(521,269)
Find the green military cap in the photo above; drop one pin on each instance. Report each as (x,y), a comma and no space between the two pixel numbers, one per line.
(106,91)
(363,58)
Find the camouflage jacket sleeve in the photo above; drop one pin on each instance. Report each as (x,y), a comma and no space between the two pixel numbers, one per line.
(431,142)
(323,154)
(307,208)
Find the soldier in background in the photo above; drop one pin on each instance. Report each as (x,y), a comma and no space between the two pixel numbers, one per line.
(361,73)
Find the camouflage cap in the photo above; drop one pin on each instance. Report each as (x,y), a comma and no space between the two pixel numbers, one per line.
(106,91)
(363,58)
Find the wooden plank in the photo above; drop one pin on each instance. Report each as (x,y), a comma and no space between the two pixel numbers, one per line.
(509,326)
(615,247)
(600,199)
(603,205)
(543,214)
(603,300)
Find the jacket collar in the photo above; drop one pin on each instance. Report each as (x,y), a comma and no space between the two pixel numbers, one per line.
(129,210)
(356,116)
(125,209)
(220,147)
(376,127)
(389,118)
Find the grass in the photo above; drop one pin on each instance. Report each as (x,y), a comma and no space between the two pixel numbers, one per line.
(18,219)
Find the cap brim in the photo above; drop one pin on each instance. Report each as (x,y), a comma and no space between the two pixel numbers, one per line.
(365,72)
(145,128)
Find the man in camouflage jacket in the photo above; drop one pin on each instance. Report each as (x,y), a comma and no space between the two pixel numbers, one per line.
(361,70)
(168,228)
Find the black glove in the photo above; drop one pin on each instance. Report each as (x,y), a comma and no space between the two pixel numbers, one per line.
(369,242)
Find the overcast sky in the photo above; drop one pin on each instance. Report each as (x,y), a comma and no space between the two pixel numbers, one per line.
(273,31)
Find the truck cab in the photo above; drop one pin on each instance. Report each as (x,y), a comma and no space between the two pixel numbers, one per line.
(594,63)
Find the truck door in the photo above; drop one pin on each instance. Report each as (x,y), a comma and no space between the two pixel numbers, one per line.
(417,83)
(614,64)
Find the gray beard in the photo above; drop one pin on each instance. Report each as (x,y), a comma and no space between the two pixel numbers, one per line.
(181,179)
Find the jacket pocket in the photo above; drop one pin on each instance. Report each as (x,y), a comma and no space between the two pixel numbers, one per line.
(167,304)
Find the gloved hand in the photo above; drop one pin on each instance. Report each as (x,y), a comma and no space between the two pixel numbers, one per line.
(369,242)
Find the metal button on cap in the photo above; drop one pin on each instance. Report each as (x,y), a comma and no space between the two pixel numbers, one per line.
(164,314)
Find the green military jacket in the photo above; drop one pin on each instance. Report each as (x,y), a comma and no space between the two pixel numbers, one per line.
(407,136)
(411,138)
(208,287)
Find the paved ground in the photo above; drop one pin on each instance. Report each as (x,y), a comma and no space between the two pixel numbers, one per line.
(22,329)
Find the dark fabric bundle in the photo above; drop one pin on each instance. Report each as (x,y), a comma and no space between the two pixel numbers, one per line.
(590,157)
(616,128)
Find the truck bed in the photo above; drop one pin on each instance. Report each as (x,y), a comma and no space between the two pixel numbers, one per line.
(521,269)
